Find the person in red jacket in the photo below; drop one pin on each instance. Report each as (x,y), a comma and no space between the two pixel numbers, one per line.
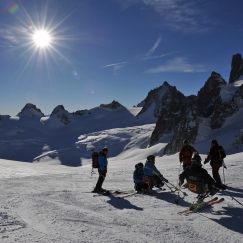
(185,154)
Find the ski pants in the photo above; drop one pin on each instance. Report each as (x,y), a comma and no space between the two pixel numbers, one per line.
(153,181)
(102,175)
(140,186)
(215,171)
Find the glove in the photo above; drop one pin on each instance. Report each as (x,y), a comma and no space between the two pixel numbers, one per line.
(206,161)
(181,182)
(221,186)
(165,180)
(180,159)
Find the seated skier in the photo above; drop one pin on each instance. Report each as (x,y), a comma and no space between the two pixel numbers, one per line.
(198,179)
(152,176)
(138,174)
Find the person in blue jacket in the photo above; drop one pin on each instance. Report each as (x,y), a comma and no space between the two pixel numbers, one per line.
(103,163)
(138,174)
(151,174)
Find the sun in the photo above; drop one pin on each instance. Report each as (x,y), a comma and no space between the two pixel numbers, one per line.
(42,38)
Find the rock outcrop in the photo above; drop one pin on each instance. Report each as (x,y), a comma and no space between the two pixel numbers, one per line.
(209,93)
(80,112)
(236,68)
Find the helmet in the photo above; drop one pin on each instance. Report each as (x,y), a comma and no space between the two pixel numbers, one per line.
(185,141)
(214,141)
(151,158)
(196,159)
(105,149)
(139,166)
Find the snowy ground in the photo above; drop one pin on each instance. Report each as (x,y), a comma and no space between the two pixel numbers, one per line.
(40,202)
(47,201)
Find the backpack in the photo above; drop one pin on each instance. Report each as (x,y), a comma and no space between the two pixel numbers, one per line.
(222,152)
(196,184)
(95,163)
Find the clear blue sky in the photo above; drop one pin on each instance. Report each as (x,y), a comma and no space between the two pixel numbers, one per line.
(104,50)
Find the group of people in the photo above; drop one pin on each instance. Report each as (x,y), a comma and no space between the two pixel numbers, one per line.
(199,181)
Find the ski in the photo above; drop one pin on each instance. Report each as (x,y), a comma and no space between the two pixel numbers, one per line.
(140,193)
(110,192)
(128,195)
(204,206)
(188,210)
(199,207)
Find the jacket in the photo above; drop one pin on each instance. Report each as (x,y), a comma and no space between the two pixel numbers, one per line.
(185,154)
(216,155)
(138,176)
(102,160)
(196,173)
(151,170)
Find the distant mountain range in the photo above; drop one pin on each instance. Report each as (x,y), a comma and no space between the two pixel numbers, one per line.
(216,109)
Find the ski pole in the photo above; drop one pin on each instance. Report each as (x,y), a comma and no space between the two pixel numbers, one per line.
(178,184)
(178,189)
(223,175)
(224,167)
(168,186)
(232,198)
(178,195)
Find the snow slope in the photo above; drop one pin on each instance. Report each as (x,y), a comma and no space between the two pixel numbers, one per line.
(46,202)
(49,203)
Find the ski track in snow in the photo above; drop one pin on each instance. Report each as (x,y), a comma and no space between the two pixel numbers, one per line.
(50,203)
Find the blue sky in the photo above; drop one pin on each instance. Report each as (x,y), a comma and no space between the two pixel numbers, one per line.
(107,50)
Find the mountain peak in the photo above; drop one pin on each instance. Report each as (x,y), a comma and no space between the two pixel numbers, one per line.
(208,93)
(166,83)
(113,105)
(214,74)
(31,110)
(57,109)
(61,114)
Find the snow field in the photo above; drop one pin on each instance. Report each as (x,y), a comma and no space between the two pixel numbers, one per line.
(49,203)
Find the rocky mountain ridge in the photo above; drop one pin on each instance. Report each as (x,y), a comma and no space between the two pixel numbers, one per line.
(181,116)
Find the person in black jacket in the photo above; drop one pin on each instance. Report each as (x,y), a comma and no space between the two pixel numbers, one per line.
(199,181)
(216,155)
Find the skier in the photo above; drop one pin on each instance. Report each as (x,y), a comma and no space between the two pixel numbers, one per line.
(102,160)
(216,155)
(152,176)
(138,174)
(199,181)
(185,154)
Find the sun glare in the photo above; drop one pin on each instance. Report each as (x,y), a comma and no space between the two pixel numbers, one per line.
(42,38)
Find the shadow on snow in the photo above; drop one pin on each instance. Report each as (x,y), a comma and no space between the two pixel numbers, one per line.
(122,203)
